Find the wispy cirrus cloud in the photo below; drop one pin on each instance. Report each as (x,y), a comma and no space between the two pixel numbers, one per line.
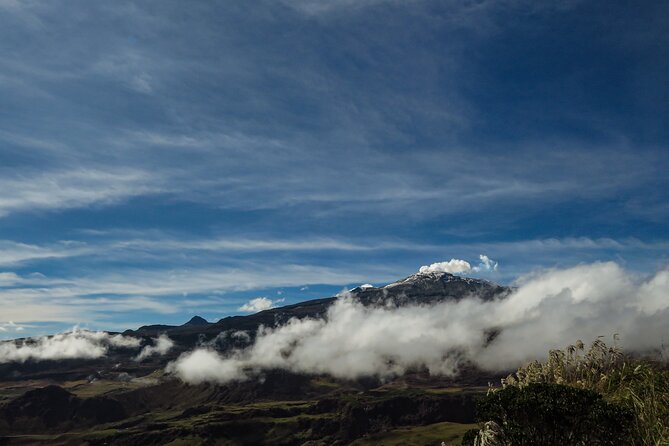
(231,159)
(92,299)
(63,189)
(133,244)
(488,183)
(16,253)
(317,7)
(286,162)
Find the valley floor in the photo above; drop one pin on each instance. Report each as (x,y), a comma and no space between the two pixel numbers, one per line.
(166,412)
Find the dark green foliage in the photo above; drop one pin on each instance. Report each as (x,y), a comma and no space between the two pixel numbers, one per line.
(642,385)
(469,437)
(555,415)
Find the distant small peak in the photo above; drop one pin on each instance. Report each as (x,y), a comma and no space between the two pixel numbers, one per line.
(197,320)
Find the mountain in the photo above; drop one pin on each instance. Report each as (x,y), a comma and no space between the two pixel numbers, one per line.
(197,320)
(421,288)
(417,289)
(429,288)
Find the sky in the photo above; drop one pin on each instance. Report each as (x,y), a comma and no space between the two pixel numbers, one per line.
(160,160)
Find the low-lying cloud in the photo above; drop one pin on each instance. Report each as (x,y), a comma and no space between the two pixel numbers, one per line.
(75,344)
(547,310)
(161,345)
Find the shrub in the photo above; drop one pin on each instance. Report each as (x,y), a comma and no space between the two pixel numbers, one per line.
(469,437)
(639,385)
(552,415)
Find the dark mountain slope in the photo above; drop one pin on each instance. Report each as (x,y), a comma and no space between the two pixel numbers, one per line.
(51,406)
(430,288)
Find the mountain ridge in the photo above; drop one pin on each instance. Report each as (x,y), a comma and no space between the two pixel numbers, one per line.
(416,289)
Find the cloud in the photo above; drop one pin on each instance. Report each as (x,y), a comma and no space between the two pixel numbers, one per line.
(92,67)
(257,304)
(257,245)
(318,7)
(452,266)
(31,298)
(130,244)
(128,68)
(486,264)
(16,253)
(205,365)
(238,338)
(63,189)
(455,266)
(221,132)
(548,310)
(463,11)
(80,344)
(161,345)
(11,326)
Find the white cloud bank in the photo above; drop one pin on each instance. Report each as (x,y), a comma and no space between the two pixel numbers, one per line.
(161,345)
(548,310)
(77,343)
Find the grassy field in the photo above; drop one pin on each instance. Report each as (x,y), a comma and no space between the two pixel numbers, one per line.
(433,434)
(170,413)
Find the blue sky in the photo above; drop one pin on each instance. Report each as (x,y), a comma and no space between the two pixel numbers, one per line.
(165,159)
